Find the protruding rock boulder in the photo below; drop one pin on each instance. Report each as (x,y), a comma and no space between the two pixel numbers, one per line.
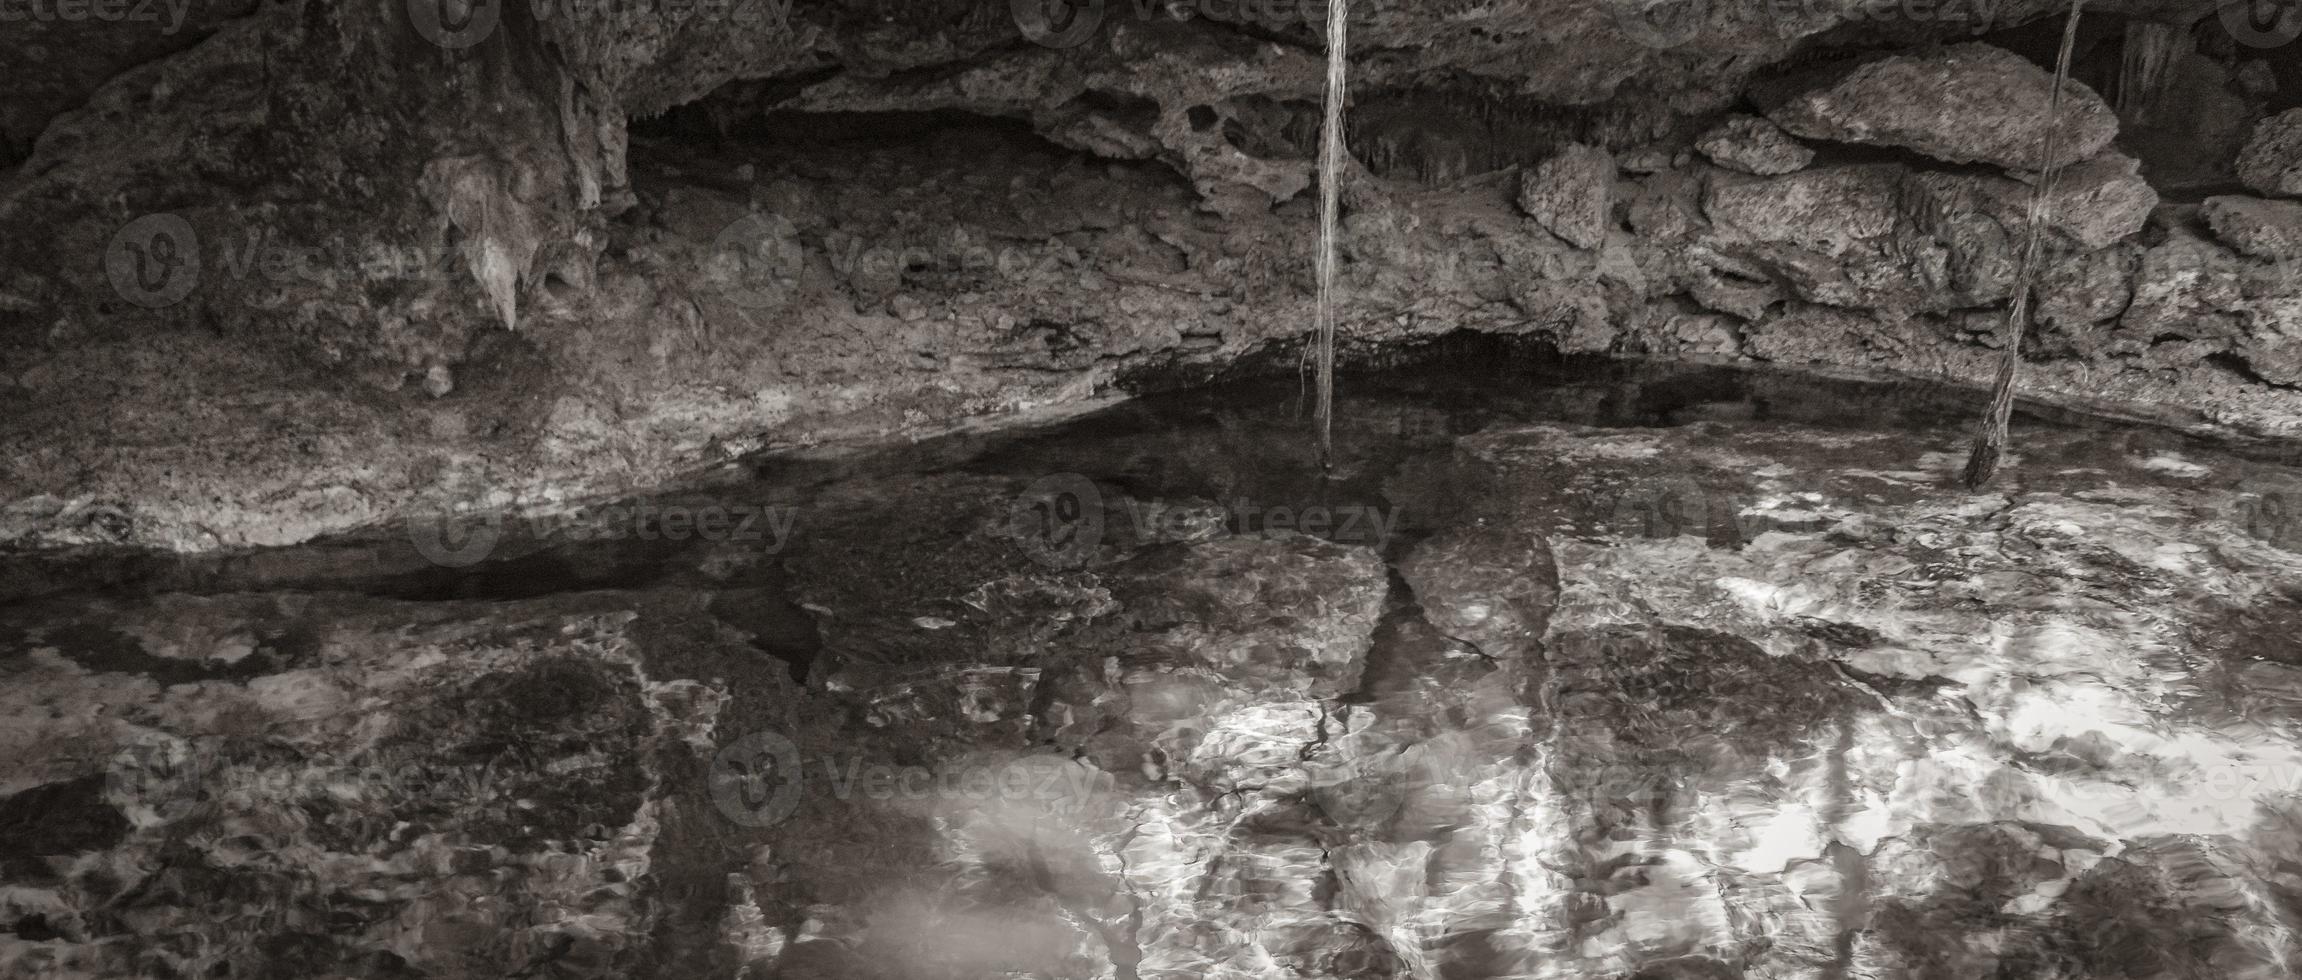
(1827,209)
(1754,146)
(2263,229)
(1567,194)
(1967,103)
(2095,203)
(2100,201)
(2272,160)
(2187,286)
(2088,289)
(2198,289)
(1823,233)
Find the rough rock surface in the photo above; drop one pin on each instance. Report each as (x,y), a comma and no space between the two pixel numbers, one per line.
(1966,103)
(1794,786)
(2194,294)
(1754,146)
(1798,708)
(2096,203)
(1492,588)
(55,61)
(321,785)
(2263,229)
(1889,617)
(433,279)
(2272,160)
(1567,195)
(930,296)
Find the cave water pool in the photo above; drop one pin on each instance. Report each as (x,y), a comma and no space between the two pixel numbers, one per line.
(1568,669)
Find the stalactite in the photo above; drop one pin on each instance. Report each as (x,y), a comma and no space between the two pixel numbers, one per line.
(2147,66)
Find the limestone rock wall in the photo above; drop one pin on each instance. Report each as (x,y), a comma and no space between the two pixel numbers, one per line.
(328,267)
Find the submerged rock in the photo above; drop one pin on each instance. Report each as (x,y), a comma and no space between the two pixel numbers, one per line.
(1966,103)
(1203,631)
(1717,693)
(460,792)
(1490,586)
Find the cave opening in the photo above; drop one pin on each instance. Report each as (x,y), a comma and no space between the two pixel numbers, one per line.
(835,491)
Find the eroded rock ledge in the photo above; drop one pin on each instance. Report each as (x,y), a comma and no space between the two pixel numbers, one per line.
(432,277)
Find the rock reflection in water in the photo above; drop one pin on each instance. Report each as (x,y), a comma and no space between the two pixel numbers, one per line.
(1598,682)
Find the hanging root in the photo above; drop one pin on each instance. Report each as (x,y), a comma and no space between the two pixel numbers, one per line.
(1990,442)
(1330,198)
